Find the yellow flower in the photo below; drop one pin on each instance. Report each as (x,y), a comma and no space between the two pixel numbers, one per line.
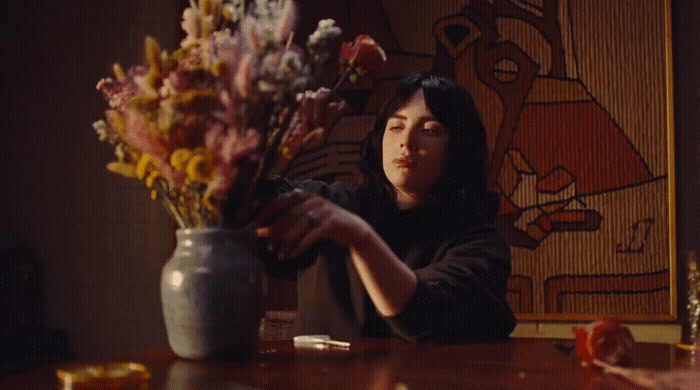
(207,201)
(219,68)
(154,78)
(286,153)
(194,99)
(205,7)
(117,121)
(152,178)
(200,166)
(144,166)
(145,103)
(153,54)
(122,168)
(118,72)
(179,158)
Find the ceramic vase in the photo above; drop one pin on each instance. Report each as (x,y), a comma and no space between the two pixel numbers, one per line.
(211,295)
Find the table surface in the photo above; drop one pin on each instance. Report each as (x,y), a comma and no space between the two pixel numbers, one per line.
(394,364)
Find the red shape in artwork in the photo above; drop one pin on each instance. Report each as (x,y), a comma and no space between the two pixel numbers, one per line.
(583,139)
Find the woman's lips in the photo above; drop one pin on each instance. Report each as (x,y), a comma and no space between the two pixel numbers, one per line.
(404,162)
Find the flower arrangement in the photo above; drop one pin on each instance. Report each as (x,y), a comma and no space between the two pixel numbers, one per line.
(231,108)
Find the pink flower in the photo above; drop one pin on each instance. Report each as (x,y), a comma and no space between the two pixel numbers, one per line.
(250,35)
(286,21)
(118,93)
(190,25)
(138,134)
(315,113)
(226,46)
(243,81)
(219,186)
(234,147)
(228,147)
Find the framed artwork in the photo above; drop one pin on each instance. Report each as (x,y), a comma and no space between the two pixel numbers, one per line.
(576,99)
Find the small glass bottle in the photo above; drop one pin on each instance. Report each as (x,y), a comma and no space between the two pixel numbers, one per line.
(694,308)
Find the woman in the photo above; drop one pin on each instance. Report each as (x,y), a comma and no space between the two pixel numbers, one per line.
(411,252)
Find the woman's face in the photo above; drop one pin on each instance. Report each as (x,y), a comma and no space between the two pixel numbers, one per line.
(413,151)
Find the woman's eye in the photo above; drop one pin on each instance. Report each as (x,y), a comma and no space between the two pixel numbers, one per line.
(430,131)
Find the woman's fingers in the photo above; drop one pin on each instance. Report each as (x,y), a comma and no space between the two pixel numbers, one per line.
(287,219)
(308,240)
(295,222)
(292,225)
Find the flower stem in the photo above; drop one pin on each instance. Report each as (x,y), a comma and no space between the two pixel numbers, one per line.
(269,159)
(346,71)
(170,206)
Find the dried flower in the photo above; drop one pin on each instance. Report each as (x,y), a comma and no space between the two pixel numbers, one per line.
(212,120)
(325,33)
(124,169)
(363,56)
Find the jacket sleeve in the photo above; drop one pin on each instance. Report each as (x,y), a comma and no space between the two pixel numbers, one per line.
(460,296)
(338,192)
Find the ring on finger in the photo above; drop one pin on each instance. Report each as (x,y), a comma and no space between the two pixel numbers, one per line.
(312,217)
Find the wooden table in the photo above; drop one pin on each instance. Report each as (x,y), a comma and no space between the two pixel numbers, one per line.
(382,364)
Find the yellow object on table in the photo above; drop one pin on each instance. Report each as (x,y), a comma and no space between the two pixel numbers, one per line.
(116,376)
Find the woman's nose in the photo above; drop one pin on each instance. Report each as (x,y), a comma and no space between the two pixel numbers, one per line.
(409,138)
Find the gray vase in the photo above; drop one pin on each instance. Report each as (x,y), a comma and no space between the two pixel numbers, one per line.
(211,295)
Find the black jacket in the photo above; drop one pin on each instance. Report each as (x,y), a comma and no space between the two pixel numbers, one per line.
(461,261)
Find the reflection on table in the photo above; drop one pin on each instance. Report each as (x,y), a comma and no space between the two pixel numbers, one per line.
(385,364)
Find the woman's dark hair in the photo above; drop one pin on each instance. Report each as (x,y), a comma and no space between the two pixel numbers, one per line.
(464,180)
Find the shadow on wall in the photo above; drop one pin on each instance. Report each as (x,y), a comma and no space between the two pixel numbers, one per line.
(24,341)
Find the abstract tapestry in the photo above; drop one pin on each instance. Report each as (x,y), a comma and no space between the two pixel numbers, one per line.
(575,98)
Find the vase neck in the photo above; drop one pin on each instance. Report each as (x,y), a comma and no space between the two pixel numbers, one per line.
(202,234)
(188,236)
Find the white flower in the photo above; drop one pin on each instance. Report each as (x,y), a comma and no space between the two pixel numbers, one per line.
(166,89)
(142,82)
(325,32)
(102,129)
(290,62)
(234,10)
(119,151)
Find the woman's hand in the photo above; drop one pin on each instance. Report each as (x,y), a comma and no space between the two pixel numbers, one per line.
(295,221)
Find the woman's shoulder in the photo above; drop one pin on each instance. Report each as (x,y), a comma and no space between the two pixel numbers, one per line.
(482,237)
(339,192)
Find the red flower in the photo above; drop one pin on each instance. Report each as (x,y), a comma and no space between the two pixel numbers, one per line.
(606,340)
(362,56)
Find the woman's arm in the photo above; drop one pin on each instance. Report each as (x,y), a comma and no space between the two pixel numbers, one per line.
(388,280)
(461,295)
(291,230)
